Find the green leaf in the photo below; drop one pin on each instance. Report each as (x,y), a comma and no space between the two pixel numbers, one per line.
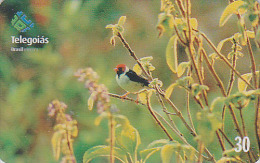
(182,67)
(217,103)
(128,138)
(145,154)
(197,89)
(167,152)
(100,117)
(169,90)
(120,119)
(171,54)
(181,151)
(232,8)
(241,28)
(159,143)
(165,23)
(253,19)
(104,151)
(241,84)
(208,123)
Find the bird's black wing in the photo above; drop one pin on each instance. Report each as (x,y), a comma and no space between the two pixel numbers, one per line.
(134,77)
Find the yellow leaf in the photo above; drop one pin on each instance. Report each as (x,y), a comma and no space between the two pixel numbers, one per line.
(90,102)
(74,131)
(232,8)
(99,118)
(121,20)
(250,34)
(143,97)
(220,44)
(137,69)
(194,23)
(171,54)
(169,90)
(226,159)
(56,144)
(182,67)
(241,84)
(241,24)
(167,152)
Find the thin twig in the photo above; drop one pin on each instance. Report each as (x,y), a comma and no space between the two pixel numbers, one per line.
(111,126)
(201,147)
(192,57)
(220,141)
(213,72)
(235,121)
(221,56)
(225,136)
(179,114)
(167,113)
(188,104)
(180,5)
(156,119)
(124,98)
(180,135)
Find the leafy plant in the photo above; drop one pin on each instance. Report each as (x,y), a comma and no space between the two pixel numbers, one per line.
(175,20)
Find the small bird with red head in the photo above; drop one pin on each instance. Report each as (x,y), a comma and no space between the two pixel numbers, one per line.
(128,80)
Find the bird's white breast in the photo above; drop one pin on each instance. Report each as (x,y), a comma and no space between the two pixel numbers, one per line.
(128,85)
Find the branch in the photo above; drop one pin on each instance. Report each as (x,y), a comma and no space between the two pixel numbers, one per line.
(156,119)
(221,56)
(124,98)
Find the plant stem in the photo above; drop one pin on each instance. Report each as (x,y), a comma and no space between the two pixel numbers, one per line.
(112,141)
(191,54)
(201,147)
(225,136)
(235,121)
(156,119)
(180,135)
(188,105)
(179,114)
(220,141)
(181,7)
(221,56)
(213,72)
(167,113)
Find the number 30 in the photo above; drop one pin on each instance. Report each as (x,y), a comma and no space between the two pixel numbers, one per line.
(242,144)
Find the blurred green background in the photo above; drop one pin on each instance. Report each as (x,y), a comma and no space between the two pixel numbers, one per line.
(29,81)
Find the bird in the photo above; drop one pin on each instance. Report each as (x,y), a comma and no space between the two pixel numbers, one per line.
(128,80)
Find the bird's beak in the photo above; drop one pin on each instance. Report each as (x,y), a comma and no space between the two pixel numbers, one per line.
(115,69)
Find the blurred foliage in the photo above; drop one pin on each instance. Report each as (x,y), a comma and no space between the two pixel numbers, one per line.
(30,80)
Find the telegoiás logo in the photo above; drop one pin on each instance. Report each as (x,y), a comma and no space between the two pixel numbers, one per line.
(21,23)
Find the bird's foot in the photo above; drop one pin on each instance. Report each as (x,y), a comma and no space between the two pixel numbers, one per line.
(124,95)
